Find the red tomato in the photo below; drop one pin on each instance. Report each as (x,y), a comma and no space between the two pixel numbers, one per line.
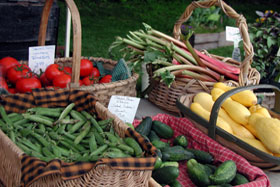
(53,71)
(95,72)
(3,83)
(85,68)
(61,81)
(67,70)
(17,72)
(12,90)
(27,84)
(44,80)
(89,80)
(7,63)
(106,79)
(81,83)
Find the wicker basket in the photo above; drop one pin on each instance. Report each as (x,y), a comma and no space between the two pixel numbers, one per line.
(166,97)
(100,175)
(253,155)
(102,91)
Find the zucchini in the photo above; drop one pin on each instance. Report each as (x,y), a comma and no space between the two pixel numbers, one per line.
(145,126)
(239,179)
(166,175)
(197,173)
(176,153)
(225,173)
(202,156)
(162,130)
(181,140)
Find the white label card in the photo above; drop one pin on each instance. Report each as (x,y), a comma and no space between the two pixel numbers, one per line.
(40,57)
(233,34)
(124,107)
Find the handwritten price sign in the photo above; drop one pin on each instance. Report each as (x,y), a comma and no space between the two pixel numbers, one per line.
(124,107)
(40,57)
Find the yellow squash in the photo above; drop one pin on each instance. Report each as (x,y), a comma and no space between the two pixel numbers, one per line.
(199,110)
(246,97)
(216,93)
(259,109)
(238,112)
(255,143)
(268,131)
(237,128)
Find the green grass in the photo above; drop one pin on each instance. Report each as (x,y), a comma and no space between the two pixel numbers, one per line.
(102,22)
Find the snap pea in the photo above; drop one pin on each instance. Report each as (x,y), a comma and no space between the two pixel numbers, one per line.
(68,145)
(70,136)
(21,122)
(13,114)
(29,144)
(99,150)
(53,135)
(116,154)
(105,122)
(43,141)
(111,137)
(99,138)
(46,152)
(5,116)
(84,132)
(2,122)
(36,109)
(16,118)
(92,143)
(56,151)
(63,151)
(76,126)
(93,121)
(78,147)
(66,111)
(126,148)
(77,115)
(12,136)
(42,127)
(61,128)
(38,119)
(48,113)
(24,148)
(134,144)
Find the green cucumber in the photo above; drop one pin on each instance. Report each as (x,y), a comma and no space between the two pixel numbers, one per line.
(158,163)
(165,175)
(181,140)
(153,136)
(145,126)
(162,129)
(176,183)
(202,156)
(221,185)
(225,173)
(169,163)
(176,153)
(160,144)
(239,179)
(135,145)
(197,173)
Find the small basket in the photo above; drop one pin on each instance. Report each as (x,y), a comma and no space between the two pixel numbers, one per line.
(253,155)
(103,91)
(198,140)
(166,97)
(133,171)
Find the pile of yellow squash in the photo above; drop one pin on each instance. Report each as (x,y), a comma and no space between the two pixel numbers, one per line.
(241,116)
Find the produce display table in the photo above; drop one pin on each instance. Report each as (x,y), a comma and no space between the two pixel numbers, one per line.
(146,108)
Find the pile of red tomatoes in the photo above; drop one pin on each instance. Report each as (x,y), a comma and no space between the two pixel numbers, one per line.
(18,78)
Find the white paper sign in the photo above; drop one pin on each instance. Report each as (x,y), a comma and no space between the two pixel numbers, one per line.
(40,57)
(233,34)
(124,107)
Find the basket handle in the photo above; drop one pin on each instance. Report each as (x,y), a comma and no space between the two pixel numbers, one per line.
(77,35)
(218,103)
(240,22)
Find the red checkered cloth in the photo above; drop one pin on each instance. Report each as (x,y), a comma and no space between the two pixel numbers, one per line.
(200,141)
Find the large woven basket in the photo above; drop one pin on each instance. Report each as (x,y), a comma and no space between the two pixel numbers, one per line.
(103,91)
(165,97)
(253,155)
(100,175)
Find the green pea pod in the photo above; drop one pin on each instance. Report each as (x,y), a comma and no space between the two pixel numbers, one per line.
(92,143)
(76,126)
(77,115)
(85,131)
(99,150)
(38,119)
(66,111)
(43,141)
(5,116)
(126,148)
(93,121)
